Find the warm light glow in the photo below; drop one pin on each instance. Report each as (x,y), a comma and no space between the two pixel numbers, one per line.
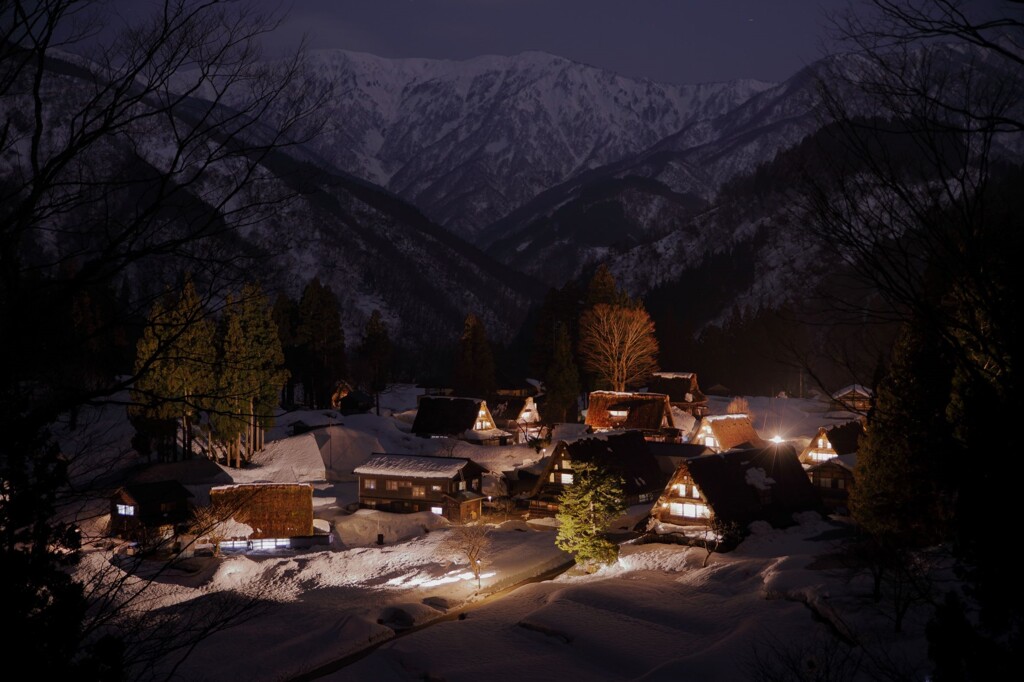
(776,439)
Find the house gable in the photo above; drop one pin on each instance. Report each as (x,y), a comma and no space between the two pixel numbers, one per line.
(648,412)
(727,431)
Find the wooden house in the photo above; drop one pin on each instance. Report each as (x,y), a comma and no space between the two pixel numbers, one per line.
(832,441)
(853,398)
(518,415)
(722,432)
(682,391)
(649,413)
(467,419)
(834,478)
(277,513)
(625,454)
(150,512)
(738,486)
(447,486)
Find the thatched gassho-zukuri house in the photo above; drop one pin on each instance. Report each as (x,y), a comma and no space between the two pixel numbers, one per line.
(853,398)
(682,391)
(276,512)
(447,486)
(832,441)
(625,454)
(738,486)
(722,432)
(650,413)
(467,419)
(517,415)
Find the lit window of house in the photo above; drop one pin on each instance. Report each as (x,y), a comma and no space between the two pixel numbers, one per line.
(435,488)
(419,491)
(618,414)
(126,509)
(694,493)
(437,510)
(681,489)
(462,485)
(695,511)
(565,479)
(567,464)
(369,483)
(709,441)
(675,508)
(821,443)
(391,485)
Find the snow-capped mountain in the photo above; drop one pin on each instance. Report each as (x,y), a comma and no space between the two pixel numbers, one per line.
(469,141)
(657,192)
(295,218)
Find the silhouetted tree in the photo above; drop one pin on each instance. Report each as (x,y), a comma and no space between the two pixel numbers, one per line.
(474,362)
(321,342)
(374,353)
(561,381)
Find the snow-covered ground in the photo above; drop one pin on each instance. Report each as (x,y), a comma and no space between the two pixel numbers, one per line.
(655,614)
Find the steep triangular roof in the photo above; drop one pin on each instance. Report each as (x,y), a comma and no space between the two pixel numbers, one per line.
(645,411)
(446,416)
(759,483)
(731,431)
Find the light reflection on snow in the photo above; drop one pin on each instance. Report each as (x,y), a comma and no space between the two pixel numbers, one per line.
(426,581)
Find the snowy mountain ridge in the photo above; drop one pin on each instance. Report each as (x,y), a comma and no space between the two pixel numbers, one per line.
(468,141)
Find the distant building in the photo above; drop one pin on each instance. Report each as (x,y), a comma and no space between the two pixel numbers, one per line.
(149,513)
(831,441)
(738,486)
(467,419)
(853,398)
(682,390)
(518,415)
(447,486)
(278,513)
(722,432)
(650,413)
(834,479)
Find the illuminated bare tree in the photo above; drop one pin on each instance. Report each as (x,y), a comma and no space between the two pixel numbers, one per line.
(617,343)
(469,542)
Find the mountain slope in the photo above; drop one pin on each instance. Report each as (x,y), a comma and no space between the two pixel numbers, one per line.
(469,141)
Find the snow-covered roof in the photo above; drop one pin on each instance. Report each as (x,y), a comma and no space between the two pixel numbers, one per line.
(674,375)
(414,466)
(723,417)
(853,388)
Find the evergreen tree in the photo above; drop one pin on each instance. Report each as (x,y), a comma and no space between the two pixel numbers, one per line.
(902,497)
(286,318)
(474,363)
(603,289)
(175,361)
(321,342)
(562,381)
(586,510)
(375,355)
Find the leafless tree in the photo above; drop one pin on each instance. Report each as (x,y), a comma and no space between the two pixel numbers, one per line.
(618,344)
(469,542)
(720,534)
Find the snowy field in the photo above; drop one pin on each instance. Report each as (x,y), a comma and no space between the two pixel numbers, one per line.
(656,614)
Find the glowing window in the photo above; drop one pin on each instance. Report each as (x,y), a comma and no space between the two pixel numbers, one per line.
(369,483)
(694,493)
(565,479)
(435,488)
(437,510)
(391,485)
(419,491)
(675,508)
(709,441)
(618,414)
(126,509)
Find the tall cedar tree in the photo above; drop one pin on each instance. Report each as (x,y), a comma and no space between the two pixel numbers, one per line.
(902,497)
(561,307)
(321,342)
(585,512)
(175,362)
(286,317)
(561,381)
(250,375)
(474,363)
(618,345)
(374,355)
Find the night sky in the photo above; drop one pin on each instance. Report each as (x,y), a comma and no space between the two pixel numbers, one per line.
(673,41)
(677,41)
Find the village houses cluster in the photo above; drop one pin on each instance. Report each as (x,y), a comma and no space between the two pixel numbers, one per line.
(680,463)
